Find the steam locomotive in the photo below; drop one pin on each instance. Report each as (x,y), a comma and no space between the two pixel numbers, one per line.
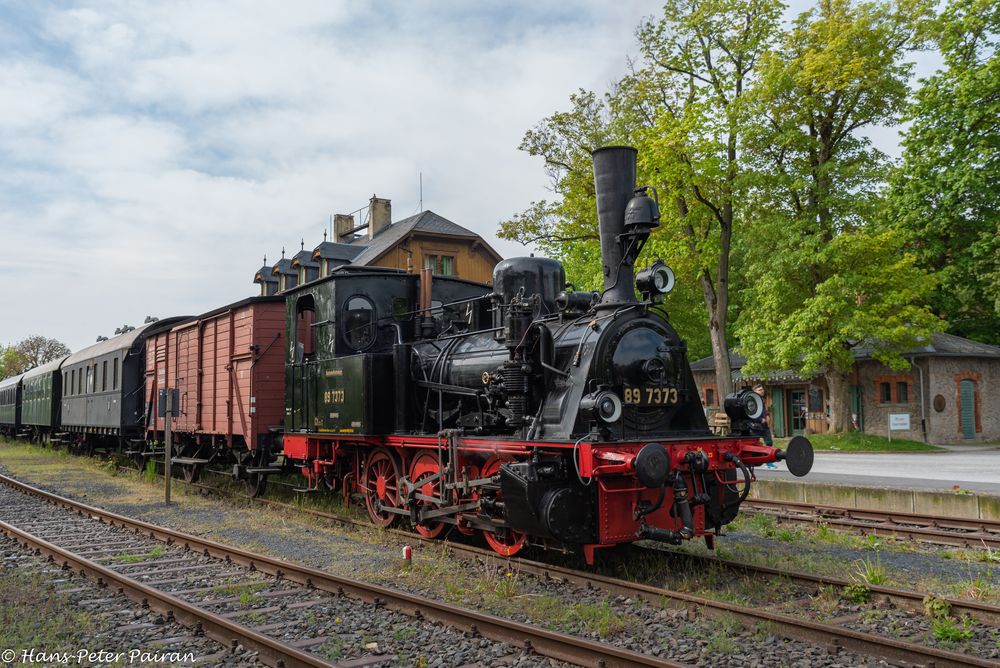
(523,412)
(529,413)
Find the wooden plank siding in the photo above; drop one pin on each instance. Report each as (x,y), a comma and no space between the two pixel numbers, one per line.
(228,368)
(473,260)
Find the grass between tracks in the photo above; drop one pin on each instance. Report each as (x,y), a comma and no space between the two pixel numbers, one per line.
(371,554)
(858,442)
(366,552)
(53,625)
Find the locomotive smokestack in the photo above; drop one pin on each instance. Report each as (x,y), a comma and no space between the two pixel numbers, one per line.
(614,183)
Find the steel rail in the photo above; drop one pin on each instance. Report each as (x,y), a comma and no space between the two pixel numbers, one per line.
(907,599)
(833,637)
(551,644)
(269,650)
(927,528)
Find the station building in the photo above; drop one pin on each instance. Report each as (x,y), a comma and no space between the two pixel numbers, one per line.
(369,238)
(950,394)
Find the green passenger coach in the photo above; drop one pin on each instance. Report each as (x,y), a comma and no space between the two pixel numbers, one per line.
(40,398)
(10,405)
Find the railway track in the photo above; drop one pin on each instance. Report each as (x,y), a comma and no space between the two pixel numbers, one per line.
(908,599)
(832,636)
(958,532)
(89,539)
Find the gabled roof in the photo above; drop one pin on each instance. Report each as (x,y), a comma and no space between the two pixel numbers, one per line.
(332,251)
(283,266)
(263,275)
(304,259)
(940,345)
(425,221)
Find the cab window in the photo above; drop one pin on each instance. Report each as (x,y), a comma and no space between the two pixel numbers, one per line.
(359,323)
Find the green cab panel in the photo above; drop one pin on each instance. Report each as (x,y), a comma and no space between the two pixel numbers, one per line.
(348,395)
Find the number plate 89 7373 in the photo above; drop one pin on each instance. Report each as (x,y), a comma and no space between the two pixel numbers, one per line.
(650,396)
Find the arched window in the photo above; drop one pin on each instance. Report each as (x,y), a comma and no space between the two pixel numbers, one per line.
(359,322)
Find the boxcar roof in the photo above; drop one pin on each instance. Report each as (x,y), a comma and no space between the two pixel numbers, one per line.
(235,305)
(13,380)
(43,369)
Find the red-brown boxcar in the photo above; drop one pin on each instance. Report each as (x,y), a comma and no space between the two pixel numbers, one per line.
(228,368)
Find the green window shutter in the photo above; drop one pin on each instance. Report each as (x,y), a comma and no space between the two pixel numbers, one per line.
(777,412)
(967,390)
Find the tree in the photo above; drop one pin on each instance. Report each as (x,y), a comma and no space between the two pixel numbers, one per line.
(37,350)
(11,363)
(567,228)
(944,194)
(824,279)
(682,106)
(700,60)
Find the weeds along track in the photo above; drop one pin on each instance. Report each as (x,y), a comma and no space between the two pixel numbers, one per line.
(849,632)
(276,608)
(877,609)
(955,531)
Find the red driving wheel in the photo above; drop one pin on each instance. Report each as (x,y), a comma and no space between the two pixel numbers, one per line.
(462,526)
(381,485)
(504,542)
(424,466)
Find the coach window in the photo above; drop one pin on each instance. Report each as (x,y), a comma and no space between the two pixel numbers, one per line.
(72,382)
(359,322)
(114,379)
(104,376)
(305,333)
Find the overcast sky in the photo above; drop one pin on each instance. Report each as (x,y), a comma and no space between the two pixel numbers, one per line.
(152,153)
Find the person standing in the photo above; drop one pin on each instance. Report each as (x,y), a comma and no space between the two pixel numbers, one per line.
(765,422)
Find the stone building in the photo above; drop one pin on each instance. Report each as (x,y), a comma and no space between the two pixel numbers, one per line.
(950,393)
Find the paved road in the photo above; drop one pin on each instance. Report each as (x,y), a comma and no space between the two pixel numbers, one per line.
(975,468)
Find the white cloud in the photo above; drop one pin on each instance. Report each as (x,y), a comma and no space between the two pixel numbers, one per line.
(151,153)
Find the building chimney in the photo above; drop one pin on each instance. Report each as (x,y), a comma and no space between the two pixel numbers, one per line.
(343,228)
(379,215)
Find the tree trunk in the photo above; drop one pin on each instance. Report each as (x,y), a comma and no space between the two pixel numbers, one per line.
(717,334)
(840,401)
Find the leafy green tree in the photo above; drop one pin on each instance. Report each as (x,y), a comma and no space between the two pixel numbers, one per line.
(37,350)
(11,363)
(682,105)
(700,60)
(822,278)
(944,195)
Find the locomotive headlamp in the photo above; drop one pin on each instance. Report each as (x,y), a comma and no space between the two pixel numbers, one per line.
(655,280)
(744,405)
(604,406)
